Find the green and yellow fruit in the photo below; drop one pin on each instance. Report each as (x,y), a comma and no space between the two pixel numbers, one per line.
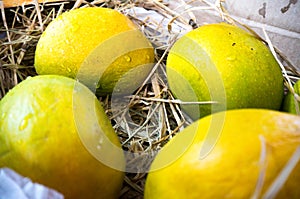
(99,46)
(253,147)
(224,64)
(48,125)
(292,103)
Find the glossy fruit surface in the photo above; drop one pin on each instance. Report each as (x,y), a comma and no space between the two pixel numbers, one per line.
(224,64)
(99,46)
(48,127)
(253,147)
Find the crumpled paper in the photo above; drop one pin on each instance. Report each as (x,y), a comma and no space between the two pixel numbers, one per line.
(158,25)
(15,186)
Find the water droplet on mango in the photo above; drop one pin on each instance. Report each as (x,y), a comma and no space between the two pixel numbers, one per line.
(3,115)
(25,121)
(127,58)
(69,70)
(231,58)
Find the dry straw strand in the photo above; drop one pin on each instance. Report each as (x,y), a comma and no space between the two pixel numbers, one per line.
(283,175)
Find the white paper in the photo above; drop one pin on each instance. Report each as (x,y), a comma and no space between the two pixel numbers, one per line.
(14,186)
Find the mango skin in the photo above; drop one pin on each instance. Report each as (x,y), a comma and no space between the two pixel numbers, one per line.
(223,63)
(100,47)
(251,141)
(43,122)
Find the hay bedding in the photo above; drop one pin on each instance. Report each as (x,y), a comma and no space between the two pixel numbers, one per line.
(149,118)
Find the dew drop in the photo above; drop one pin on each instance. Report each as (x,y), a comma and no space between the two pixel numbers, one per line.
(3,115)
(69,70)
(231,58)
(100,142)
(24,122)
(23,125)
(127,58)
